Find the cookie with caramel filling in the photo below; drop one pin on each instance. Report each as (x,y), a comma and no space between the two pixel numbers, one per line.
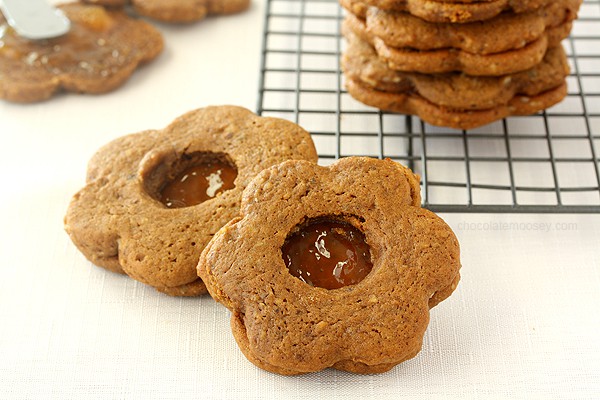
(331,267)
(98,54)
(154,199)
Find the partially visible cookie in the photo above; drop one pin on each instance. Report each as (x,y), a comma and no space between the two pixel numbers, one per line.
(448,60)
(218,7)
(154,199)
(108,3)
(357,8)
(331,267)
(179,10)
(410,103)
(458,11)
(453,91)
(99,53)
(505,32)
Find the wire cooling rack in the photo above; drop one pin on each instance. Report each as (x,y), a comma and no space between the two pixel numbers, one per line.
(548,162)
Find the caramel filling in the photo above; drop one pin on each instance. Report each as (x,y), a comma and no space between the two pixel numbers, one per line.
(327,254)
(198,184)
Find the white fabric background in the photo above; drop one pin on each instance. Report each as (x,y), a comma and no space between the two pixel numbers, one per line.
(523,323)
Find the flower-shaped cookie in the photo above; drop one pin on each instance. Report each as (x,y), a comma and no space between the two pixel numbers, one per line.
(179,10)
(154,199)
(458,11)
(97,55)
(331,267)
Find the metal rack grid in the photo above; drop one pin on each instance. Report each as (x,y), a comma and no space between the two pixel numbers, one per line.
(546,163)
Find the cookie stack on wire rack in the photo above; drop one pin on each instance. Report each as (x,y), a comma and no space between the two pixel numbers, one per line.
(457,64)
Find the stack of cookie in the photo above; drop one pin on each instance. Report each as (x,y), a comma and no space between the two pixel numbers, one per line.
(457,64)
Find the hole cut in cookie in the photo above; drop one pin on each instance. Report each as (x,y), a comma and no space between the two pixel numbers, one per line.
(191,179)
(327,252)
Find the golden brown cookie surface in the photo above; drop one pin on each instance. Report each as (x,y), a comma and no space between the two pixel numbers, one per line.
(99,53)
(287,326)
(121,221)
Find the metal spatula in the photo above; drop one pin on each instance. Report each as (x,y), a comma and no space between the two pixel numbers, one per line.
(35,19)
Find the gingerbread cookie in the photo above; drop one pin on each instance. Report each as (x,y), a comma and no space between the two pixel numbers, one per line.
(505,32)
(458,11)
(154,199)
(454,91)
(407,103)
(331,267)
(99,53)
(449,60)
(179,10)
